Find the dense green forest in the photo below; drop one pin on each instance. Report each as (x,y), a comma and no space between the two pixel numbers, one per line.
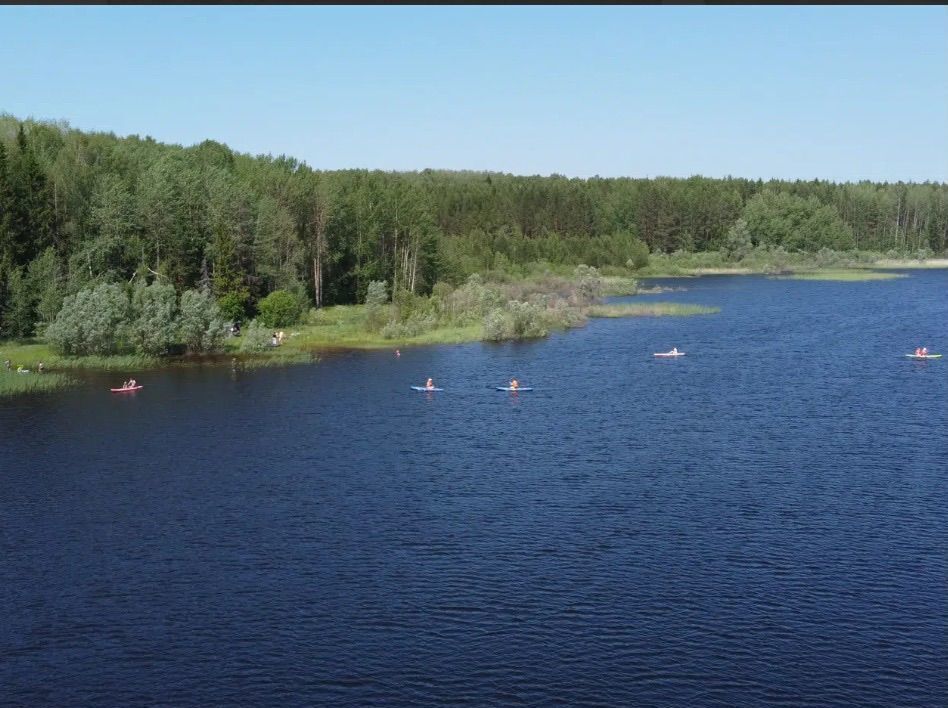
(80,209)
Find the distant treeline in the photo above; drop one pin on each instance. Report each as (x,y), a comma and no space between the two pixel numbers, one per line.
(78,209)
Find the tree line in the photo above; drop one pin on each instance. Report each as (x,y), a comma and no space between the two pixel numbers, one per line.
(79,209)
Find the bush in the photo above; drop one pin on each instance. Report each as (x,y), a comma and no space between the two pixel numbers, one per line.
(200,325)
(317,316)
(89,321)
(233,306)
(152,327)
(418,323)
(498,325)
(518,320)
(738,243)
(589,287)
(279,309)
(472,301)
(256,337)
(639,255)
(375,298)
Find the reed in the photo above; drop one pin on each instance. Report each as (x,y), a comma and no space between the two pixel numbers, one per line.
(847,275)
(650,309)
(12,383)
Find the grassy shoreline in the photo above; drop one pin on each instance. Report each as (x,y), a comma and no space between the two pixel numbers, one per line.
(840,275)
(651,309)
(342,327)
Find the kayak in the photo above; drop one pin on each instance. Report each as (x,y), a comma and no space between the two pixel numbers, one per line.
(923,356)
(669,354)
(122,390)
(422,388)
(514,390)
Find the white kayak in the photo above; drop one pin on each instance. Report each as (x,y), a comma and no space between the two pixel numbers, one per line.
(668,354)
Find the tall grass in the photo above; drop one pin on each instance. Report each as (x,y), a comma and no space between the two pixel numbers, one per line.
(30,352)
(12,383)
(650,309)
(840,275)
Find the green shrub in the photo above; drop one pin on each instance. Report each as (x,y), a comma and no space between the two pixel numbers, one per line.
(472,301)
(152,327)
(517,320)
(639,255)
(233,306)
(498,325)
(90,320)
(256,337)
(200,325)
(376,298)
(589,283)
(279,309)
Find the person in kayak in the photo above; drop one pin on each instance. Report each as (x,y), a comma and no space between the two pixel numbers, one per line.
(131,383)
(429,383)
(514,384)
(924,351)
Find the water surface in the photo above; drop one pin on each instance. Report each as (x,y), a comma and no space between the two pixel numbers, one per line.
(760,522)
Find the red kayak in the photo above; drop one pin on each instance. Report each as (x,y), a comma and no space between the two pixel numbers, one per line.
(122,390)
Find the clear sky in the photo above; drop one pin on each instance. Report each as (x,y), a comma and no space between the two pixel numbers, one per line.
(795,92)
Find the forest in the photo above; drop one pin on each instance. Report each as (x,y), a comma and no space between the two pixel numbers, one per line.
(79,210)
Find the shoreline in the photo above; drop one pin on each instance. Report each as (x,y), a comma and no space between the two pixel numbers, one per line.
(342,329)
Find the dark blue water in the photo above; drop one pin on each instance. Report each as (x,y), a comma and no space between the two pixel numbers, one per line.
(760,522)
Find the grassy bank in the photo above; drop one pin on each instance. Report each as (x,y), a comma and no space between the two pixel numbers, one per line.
(773,261)
(344,327)
(931,263)
(30,352)
(650,309)
(12,383)
(839,274)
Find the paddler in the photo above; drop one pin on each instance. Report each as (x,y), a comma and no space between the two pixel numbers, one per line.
(429,384)
(514,384)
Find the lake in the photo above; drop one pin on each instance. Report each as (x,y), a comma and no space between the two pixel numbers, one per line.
(760,522)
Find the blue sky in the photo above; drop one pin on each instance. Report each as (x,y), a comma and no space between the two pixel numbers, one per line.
(795,92)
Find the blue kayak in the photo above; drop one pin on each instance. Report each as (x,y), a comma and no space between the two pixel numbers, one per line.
(514,390)
(422,388)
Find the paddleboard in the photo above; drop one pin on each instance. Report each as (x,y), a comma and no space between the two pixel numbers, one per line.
(122,390)
(669,354)
(925,356)
(514,390)
(422,388)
